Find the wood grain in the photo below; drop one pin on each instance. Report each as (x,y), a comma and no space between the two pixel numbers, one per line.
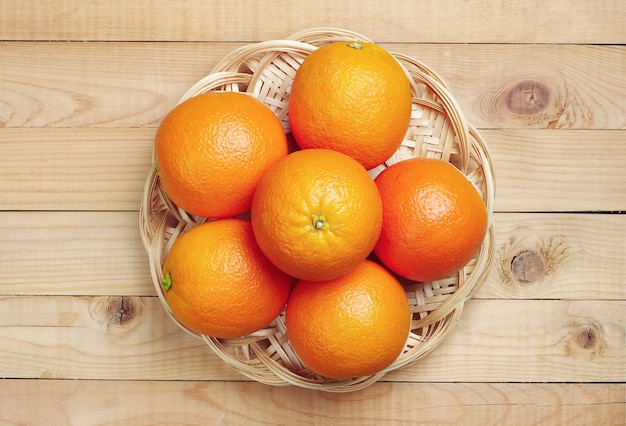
(75,337)
(446,21)
(43,402)
(105,169)
(67,337)
(135,84)
(535,86)
(74,168)
(73,253)
(581,256)
(530,340)
(558,256)
(547,170)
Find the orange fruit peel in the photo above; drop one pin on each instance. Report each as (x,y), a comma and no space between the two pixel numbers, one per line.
(353,97)
(316,214)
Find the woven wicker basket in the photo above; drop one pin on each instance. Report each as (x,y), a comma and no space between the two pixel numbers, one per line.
(438,129)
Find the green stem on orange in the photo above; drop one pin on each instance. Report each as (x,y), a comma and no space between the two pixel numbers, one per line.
(166,282)
(355,45)
(319,222)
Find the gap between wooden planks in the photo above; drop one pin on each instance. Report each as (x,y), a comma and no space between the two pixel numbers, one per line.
(192,403)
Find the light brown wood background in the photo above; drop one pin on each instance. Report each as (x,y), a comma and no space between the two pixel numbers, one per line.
(83,339)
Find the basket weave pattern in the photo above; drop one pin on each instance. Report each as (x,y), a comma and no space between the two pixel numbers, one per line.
(437,130)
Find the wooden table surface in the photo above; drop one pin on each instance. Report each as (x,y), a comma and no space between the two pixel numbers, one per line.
(83,338)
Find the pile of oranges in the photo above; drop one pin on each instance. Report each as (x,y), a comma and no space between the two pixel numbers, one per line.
(308,231)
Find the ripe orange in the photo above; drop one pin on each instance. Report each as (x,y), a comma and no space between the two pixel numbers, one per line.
(353,97)
(316,214)
(351,326)
(217,281)
(434,219)
(212,149)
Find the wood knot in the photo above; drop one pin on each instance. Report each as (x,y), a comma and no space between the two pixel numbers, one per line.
(534,96)
(118,315)
(528,97)
(528,266)
(120,310)
(586,337)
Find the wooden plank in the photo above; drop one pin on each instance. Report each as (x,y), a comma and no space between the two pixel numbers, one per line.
(558,256)
(74,337)
(105,169)
(548,170)
(73,253)
(101,85)
(132,338)
(75,169)
(39,402)
(530,341)
(570,256)
(534,86)
(429,21)
(135,84)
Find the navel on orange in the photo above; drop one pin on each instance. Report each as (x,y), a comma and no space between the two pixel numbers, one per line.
(212,149)
(316,214)
(353,97)
(351,326)
(434,219)
(217,282)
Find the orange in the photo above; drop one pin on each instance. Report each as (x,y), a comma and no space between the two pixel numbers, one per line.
(212,149)
(434,219)
(354,325)
(217,282)
(316,214)
(353,97)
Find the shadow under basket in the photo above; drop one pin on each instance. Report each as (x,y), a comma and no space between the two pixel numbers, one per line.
(265,70)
